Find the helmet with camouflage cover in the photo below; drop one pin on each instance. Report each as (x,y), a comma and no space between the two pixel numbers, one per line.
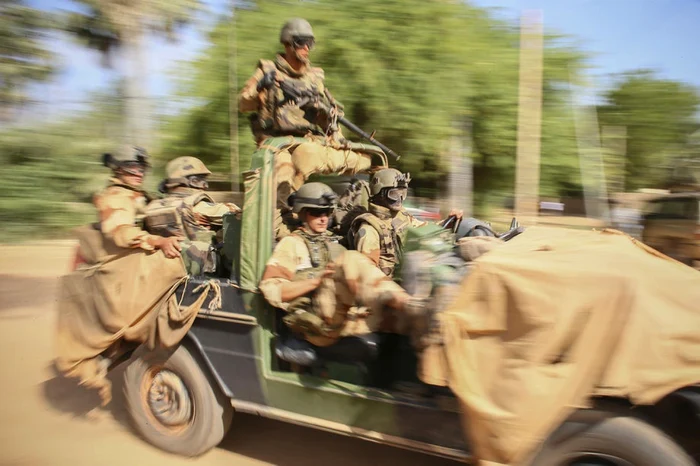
(388,178)
(295,27)
(185,171)
(182,167)
(313,196)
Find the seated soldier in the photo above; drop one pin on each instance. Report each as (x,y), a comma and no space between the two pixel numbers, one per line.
(380,233)
(327,291)
(122,204)
(187,211)
(268,93)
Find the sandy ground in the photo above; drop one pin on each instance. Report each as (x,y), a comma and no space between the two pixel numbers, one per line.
(49,420)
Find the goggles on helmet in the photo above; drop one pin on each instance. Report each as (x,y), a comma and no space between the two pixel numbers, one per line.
(133,168)
(397,194)
(198,181)
(301,41)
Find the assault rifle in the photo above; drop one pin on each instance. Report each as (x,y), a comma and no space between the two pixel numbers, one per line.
(312,99)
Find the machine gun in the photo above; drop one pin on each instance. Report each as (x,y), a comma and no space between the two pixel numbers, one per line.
(312,99)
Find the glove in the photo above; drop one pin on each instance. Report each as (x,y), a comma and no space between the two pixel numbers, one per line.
(267,81)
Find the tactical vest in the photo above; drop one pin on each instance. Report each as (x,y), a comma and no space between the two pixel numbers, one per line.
(174,216)
(302,316)
(390,237)
(279,115)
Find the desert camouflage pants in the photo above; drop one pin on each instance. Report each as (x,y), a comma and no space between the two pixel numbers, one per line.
(293,167)
(197,257)
(354,299)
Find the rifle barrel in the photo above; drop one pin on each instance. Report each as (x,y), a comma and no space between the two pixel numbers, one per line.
(357,130)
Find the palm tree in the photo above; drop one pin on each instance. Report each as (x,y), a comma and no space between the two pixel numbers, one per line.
(123,25)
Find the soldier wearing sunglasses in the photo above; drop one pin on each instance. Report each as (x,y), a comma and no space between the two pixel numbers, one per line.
(122,204)
(328,292)
(278,113)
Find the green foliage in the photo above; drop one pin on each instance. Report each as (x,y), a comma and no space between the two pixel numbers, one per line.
(25,59)
(659,115)
(50,172)
(408,68)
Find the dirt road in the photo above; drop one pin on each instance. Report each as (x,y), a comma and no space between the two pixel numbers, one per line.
(48,420)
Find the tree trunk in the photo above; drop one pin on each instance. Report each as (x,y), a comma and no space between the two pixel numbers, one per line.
(137,122)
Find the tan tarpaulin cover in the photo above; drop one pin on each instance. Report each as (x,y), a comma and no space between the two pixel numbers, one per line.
(554,316)
(126,294)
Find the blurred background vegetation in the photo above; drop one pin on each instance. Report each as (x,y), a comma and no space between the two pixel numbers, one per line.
(421,72)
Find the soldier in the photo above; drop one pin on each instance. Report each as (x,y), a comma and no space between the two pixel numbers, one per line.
(122,204)
(380,233)
(327,291)
(277,113)
(188,211)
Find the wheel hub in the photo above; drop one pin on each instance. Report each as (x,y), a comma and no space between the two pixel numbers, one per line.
(168,399)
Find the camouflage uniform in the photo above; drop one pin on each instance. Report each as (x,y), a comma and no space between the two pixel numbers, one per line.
(380,235)
(120,208)
(349,303)
(188,212)
(277,114)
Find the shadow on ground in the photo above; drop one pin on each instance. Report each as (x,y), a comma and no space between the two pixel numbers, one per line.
(65,395)
(265,440)
(19,291)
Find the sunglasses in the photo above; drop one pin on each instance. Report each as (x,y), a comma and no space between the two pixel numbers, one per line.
(320,212)
(301,42)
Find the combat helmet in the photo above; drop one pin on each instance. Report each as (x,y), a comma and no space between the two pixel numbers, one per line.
(185,171)
(296,27)
(182,167)
(313,196)
(126,158)
(388,178)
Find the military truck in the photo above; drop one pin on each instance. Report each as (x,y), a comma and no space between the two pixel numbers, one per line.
(184,400)
(671,224)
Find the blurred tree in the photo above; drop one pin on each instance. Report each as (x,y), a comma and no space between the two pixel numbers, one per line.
(111,25)
(51,170)
(659,116)
(25,58)
(412,69)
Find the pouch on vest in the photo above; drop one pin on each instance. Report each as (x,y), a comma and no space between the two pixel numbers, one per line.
(163,221)
(300,320)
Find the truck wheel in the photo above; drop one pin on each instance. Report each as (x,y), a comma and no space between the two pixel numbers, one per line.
(173,404)
(613,441)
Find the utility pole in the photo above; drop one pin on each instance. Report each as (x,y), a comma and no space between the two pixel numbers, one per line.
(527,172)
(233,103)
(460,179)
